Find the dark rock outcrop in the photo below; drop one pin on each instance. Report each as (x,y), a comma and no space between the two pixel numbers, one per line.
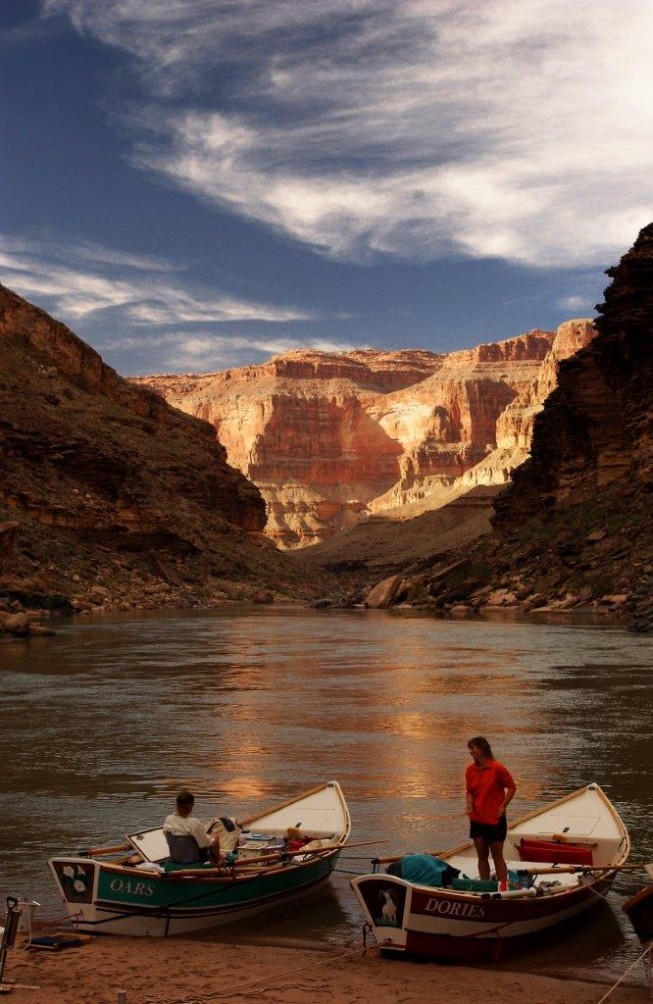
(109,497)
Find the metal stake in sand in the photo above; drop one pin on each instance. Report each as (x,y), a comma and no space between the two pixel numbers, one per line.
(8,936)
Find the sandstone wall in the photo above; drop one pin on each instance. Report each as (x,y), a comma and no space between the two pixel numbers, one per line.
(332,438)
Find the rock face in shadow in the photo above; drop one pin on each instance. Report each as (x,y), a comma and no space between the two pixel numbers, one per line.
(595,431)
(108,496)
(581,507)
(332,439)
(574,527)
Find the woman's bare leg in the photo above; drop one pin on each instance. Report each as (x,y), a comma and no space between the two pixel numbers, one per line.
(483,854)
(500,867)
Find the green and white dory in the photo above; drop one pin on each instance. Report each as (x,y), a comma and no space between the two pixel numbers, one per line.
(282,852)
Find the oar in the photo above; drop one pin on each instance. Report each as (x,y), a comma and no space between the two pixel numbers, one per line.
(398,857)
(243,864)
(116,849)
(574,869)
(271,858)
(363,843)
(274,853)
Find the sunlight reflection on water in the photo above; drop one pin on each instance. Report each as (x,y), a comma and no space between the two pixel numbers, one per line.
(106,720)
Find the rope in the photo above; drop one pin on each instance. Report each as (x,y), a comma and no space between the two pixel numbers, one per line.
(240,990)
(599,895)
(624,975)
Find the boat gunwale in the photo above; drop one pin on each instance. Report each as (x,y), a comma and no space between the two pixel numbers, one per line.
(211,875)
(591,786)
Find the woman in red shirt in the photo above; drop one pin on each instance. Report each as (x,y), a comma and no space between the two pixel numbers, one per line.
(490,789)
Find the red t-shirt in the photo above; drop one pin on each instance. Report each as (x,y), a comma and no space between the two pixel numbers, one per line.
(487,786)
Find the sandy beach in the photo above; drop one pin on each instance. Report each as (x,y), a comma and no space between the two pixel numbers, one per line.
(197,971)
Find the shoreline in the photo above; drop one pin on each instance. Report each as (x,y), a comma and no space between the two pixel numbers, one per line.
(192,970)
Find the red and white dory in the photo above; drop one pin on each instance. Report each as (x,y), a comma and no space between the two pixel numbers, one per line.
(562,859)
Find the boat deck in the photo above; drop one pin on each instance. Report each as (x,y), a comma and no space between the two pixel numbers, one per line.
(468,866)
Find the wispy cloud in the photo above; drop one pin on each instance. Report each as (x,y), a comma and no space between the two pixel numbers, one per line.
(77,282)
(521,131)
(573,303)
(144,300)
(177,352)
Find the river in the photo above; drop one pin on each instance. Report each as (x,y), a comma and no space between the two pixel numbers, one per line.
(102,723)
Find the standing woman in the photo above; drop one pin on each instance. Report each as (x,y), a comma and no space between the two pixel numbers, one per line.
(490,789)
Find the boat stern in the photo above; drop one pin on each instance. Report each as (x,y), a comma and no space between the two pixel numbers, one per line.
(385,901)
(76,880)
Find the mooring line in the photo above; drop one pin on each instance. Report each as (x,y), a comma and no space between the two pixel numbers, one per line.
(623,976)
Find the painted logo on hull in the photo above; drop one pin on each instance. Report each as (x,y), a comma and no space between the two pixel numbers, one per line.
(76,881)
(385,903)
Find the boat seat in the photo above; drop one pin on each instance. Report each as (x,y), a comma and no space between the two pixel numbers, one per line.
(554,852)
(170,867)
(184,850)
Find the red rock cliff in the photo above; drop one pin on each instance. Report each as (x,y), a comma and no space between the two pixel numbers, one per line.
(328,437)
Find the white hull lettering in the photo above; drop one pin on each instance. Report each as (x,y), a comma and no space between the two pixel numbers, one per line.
(134,889)
(452,908)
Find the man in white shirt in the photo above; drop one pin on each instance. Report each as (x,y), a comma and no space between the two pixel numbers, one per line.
(182,828)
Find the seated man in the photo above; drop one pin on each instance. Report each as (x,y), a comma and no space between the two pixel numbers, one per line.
(186,835)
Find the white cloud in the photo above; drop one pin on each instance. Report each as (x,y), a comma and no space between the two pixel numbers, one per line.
(145,309)
(573,303)
(76,283)
(179,352)
(521,130)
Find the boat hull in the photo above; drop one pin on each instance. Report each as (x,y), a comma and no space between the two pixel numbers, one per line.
(117,900)
(639,910)
(443,925)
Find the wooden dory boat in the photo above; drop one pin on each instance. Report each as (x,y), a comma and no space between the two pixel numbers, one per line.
(150,896)
(639,910)
(560,856)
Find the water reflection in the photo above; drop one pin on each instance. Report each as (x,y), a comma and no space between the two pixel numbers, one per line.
(105,721)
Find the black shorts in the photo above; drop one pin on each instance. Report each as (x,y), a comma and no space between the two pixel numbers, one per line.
(493,833)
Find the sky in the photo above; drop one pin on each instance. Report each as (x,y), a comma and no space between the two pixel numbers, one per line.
(195,185)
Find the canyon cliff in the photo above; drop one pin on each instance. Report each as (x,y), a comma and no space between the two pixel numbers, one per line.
(333,439)
(394,463)
(109,497)
(573,528)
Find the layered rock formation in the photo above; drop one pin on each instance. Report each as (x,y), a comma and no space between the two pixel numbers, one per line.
(579,514)
(332,438)
(574,526)
(110,497)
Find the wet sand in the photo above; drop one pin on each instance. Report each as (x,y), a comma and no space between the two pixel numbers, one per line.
(194,971)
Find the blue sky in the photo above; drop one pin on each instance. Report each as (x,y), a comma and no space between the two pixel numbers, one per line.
(193,185)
